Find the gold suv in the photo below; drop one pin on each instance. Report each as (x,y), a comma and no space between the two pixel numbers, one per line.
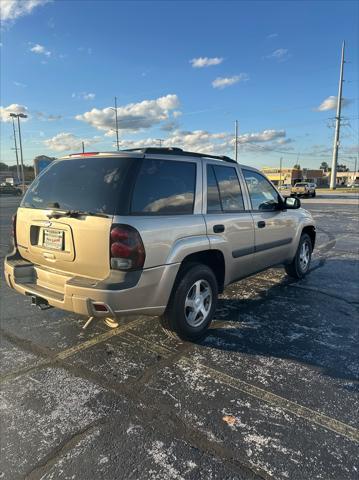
(152,231)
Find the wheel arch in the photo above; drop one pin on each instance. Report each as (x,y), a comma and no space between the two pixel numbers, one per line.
(310,230)
(214,259)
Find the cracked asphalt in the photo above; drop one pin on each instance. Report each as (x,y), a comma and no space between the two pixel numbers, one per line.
(272,392)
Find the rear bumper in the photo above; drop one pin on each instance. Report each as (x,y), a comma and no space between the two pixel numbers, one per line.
(143,292)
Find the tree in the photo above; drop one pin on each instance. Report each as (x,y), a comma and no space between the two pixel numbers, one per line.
(296,166)
(324,166)
(342,168)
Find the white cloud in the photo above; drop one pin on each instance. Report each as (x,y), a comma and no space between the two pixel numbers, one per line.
(40,50)
(134,116)
(264,136)
(47,117)
(281,54)
(177,113)
(223,82)
(220,143)
(66,141)
(330,103)
(10,10)
(84,95)
(272,35)
(88,96)
(13,108)
(19,84)
(202,62)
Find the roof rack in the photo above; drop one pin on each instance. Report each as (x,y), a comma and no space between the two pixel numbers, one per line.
(177,151)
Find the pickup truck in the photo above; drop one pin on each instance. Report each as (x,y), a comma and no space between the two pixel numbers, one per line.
(304,189)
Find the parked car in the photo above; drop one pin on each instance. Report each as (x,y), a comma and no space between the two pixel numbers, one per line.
(7,189)
(285,190)
(152,231)
(304,189)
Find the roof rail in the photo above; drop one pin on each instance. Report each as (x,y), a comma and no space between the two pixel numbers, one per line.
(178,151)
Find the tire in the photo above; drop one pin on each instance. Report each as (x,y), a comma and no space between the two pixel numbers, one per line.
(314,194)
(181,321)
(299,267)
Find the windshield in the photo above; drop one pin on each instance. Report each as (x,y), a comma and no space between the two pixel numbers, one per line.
(301,184)
(97,185)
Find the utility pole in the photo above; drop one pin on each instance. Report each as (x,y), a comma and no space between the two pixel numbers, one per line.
(17,155)
(117,142)
(83,147)
(236,140)
(280,171)
(333,175)
(160,141)
(21,154)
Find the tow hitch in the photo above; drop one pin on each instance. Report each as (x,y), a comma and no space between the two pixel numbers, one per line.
(40,302)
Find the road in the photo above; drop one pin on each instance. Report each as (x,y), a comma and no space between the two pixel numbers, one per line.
(272,392)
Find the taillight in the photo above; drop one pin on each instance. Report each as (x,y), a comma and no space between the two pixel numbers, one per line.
(13,230)
(126,248)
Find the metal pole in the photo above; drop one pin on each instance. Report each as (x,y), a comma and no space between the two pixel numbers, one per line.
(236,140)
(333,175)
(280,171)
(117,141)
(21,156)
(17,156)
(83,147)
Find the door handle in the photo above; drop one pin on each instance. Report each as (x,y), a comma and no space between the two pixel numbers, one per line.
(261,224)
(218,228)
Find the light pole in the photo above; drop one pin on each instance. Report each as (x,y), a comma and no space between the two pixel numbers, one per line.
(18,116)
(15,142)
(116,120)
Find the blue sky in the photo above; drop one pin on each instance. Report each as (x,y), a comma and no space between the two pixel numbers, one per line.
(182,72)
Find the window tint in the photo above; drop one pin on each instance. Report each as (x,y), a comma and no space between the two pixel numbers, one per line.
(97,185)
(213,200)
(261,192)
(229,188)
(164,187)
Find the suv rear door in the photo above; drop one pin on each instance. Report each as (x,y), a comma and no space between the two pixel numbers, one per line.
(229,225)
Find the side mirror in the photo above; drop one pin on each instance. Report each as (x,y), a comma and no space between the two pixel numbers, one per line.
(291,203)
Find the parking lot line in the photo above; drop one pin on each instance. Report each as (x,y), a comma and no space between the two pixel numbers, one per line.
(306,413)
(102,337)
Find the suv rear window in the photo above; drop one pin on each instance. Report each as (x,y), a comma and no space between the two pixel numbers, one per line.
(223,190)
(164,187)
(302,184)
(97,185)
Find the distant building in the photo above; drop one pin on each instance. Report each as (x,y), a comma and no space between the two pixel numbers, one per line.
(291,176)
(345,178)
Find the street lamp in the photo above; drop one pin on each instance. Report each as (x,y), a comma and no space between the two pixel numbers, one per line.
(15,142)
(18,116)
(116,122)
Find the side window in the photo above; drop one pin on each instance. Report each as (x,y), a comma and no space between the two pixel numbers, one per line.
(164,187)
(213,200)
(224,191)
(262,193)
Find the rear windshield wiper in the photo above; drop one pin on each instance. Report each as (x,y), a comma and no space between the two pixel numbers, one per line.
(74,214)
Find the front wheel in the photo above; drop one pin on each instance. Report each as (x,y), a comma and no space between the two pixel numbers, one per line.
(192,304)
(301,262)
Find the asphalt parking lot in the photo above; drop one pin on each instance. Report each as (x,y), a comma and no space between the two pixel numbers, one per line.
(272,392)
